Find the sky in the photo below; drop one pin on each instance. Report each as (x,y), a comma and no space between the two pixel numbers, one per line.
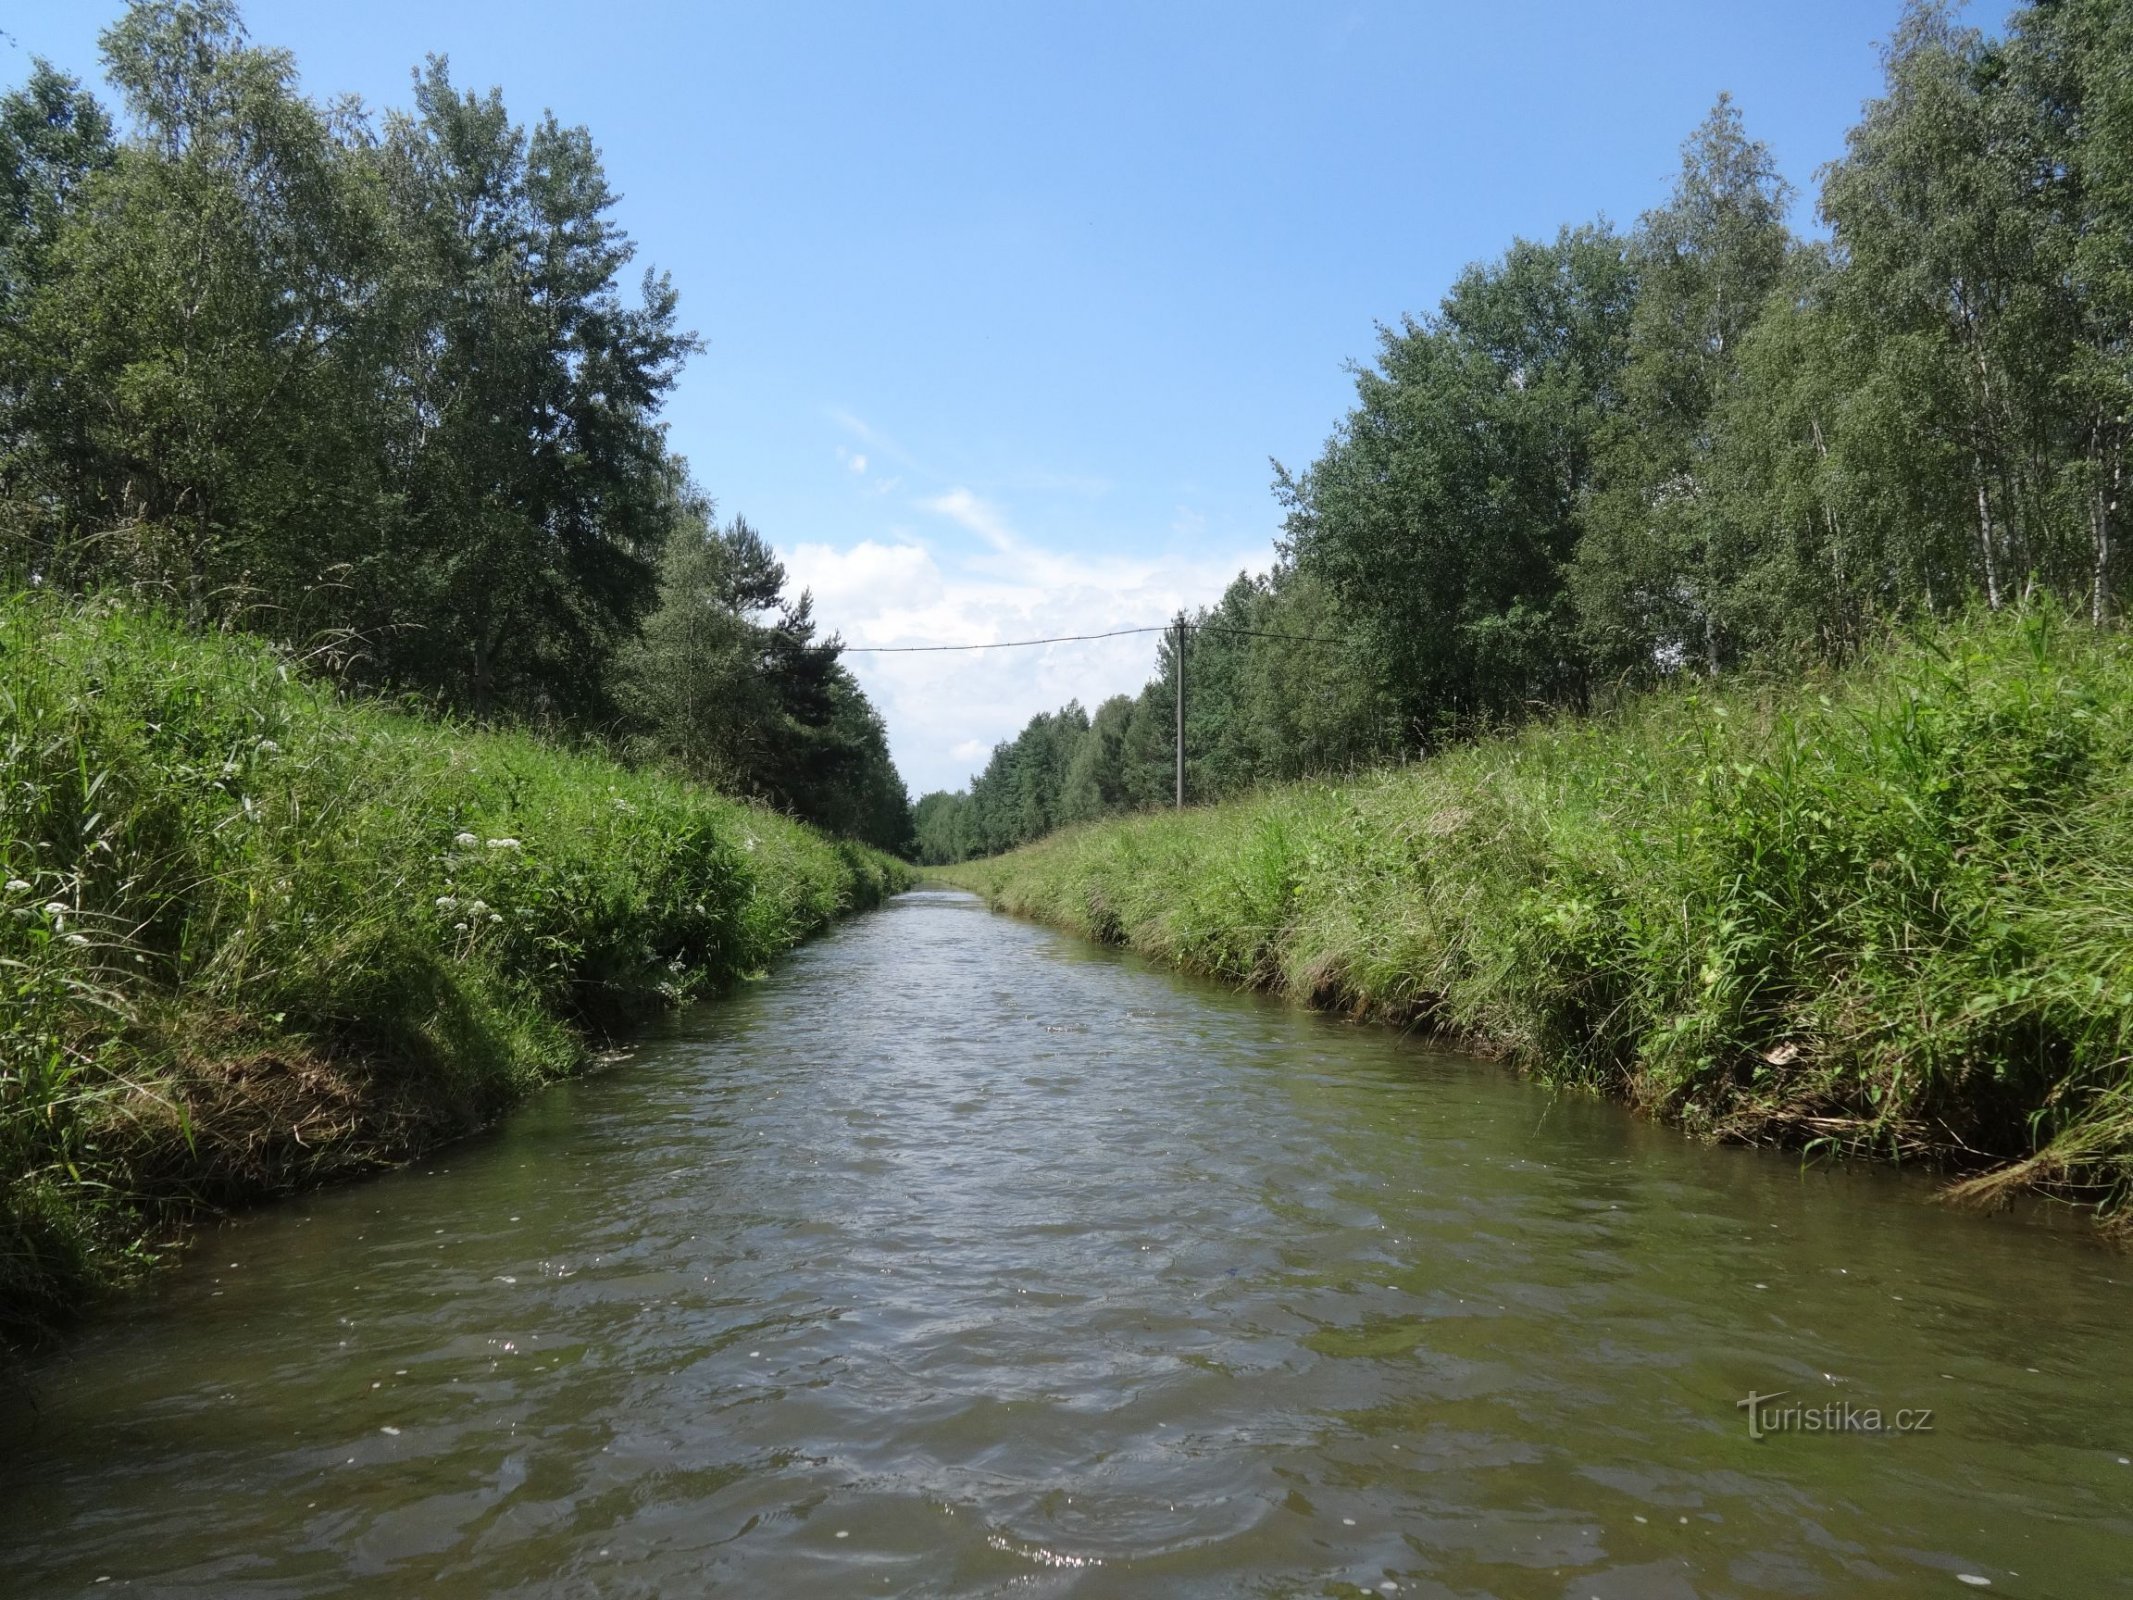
(1007,307)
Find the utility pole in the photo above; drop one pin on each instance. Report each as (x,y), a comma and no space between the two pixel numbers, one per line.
(1180,655)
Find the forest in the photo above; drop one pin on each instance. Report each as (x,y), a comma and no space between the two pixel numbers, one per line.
(1672,452)
(380,388)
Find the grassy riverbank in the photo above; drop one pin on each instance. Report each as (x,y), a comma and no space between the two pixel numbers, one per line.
(253,937)
(1889,912)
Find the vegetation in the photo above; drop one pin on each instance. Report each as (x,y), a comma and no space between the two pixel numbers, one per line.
(1881,911)
(253,937)
(1613,460)
(373,388)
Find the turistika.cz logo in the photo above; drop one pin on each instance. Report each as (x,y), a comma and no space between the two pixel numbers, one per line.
(1766,1416)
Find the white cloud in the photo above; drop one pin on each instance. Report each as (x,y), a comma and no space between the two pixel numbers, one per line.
(946,710)
(878,444)
(961,506)
(980,581)
(857,425)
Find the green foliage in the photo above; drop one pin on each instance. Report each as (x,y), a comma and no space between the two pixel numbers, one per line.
(728,684)
(538,491)
(1651,574)
(1444,512)
(378,391)
(373,388)
(252,936)
(1275,691)
(1880,912)
(1614,461)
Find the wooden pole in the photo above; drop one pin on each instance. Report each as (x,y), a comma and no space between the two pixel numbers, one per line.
(1181,710)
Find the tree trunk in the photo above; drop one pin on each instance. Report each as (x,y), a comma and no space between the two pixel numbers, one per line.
(1984,530)
(2102,502)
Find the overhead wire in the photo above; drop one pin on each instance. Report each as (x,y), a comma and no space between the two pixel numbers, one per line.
(1069,638)
(990,644)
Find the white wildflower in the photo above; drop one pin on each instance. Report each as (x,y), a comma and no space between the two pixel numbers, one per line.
(270,747)
(77,938)
(465,841)
(748,843)
(446,903)
(55,908)
(477,908)
(459,927)
(503,844)
(496,916)
(17,885)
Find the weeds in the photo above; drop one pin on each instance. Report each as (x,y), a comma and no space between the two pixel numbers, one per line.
(253,937)
(1888,912)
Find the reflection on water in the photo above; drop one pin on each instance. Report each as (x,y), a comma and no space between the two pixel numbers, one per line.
(961,1258)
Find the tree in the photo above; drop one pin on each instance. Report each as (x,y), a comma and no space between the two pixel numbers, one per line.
(728,683)
(2069,60)
(535,486)
(384,395)
(1096,784)
(1443,513)
(1948,272)
(54,137)
(1649,575)
(194,414)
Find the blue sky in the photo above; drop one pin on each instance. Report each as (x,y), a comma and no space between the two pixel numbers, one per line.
(1007,306)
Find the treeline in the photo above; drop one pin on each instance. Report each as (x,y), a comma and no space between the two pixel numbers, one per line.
(1615,457)
(372,386)
(1258,709)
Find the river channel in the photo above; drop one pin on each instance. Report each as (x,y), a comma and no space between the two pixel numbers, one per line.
(957,1257)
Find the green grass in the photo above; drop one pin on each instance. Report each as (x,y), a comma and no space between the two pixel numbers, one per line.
(1886,912)
(253,937)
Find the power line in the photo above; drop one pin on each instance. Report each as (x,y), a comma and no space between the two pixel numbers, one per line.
(1181,627)
(996,644)
(1070,638)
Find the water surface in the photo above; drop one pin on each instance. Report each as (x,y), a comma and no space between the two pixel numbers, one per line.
(958,1257)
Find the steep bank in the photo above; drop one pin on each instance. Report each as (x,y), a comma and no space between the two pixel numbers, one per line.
(1888,912)
(253,937)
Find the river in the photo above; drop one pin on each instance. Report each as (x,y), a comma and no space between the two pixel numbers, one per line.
(957,1257)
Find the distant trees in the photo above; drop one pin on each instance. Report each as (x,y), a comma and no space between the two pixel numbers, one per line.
(1616,458)
(1273,691)
(374,387)
(728,683)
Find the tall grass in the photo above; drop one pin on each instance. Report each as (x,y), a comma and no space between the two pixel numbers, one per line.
(252,937)
(1886,912)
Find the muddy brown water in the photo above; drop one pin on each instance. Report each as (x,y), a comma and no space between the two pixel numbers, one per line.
(960,1258)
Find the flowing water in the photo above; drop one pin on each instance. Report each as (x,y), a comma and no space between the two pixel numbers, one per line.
(960,1258)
